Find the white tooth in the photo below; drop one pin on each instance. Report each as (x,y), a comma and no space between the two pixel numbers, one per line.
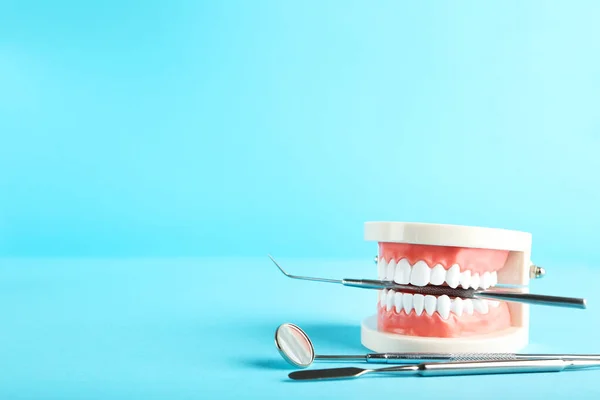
(407,302)
(418,303)
(486,280)
(430,304)
(438,275)
(453,276)
(493,303)
(398,301)
(382,297)
(420,274)
(468,306)
(402,275)
(389,300)
(443,306)
(480,306)
(457,306)
(465,279)
(381,268)
(494,278)
(390,270)
(475,280)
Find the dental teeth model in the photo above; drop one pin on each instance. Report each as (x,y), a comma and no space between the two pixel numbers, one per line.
(455,256)
(440,289)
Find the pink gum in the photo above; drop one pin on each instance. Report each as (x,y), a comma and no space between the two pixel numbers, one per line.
(474,260)
(425,325)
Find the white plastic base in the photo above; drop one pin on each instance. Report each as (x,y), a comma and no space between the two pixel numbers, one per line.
(511,340)
(447,235)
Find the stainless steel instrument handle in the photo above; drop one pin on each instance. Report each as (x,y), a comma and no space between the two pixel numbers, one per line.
(492,294)
(415,358)
(479,367)
(528,298)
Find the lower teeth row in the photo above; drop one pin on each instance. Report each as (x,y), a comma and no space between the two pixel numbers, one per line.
(443,305)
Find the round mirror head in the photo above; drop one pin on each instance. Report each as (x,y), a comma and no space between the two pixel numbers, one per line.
(294,345)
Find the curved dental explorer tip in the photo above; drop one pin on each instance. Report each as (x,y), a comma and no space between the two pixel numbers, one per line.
(360,283)
(279,266)
(306,278)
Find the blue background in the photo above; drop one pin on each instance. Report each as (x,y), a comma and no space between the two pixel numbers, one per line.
(241,128)
(149,150)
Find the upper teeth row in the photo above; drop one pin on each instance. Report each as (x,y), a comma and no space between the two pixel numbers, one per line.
(420,274)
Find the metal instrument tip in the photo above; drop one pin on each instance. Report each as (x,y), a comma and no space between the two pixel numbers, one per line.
(278,266)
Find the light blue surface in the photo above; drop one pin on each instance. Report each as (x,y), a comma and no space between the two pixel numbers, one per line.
(234,129)
(203,328)
(176,128)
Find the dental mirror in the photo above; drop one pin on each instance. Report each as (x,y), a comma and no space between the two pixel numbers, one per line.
(294,345)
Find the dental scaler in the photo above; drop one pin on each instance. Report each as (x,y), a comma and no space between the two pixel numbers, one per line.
(469,293)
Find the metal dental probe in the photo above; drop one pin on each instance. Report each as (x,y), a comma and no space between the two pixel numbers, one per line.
(297,349)
(452,368)
(503,295)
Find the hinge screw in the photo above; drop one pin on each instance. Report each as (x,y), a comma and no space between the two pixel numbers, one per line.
(536,272)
